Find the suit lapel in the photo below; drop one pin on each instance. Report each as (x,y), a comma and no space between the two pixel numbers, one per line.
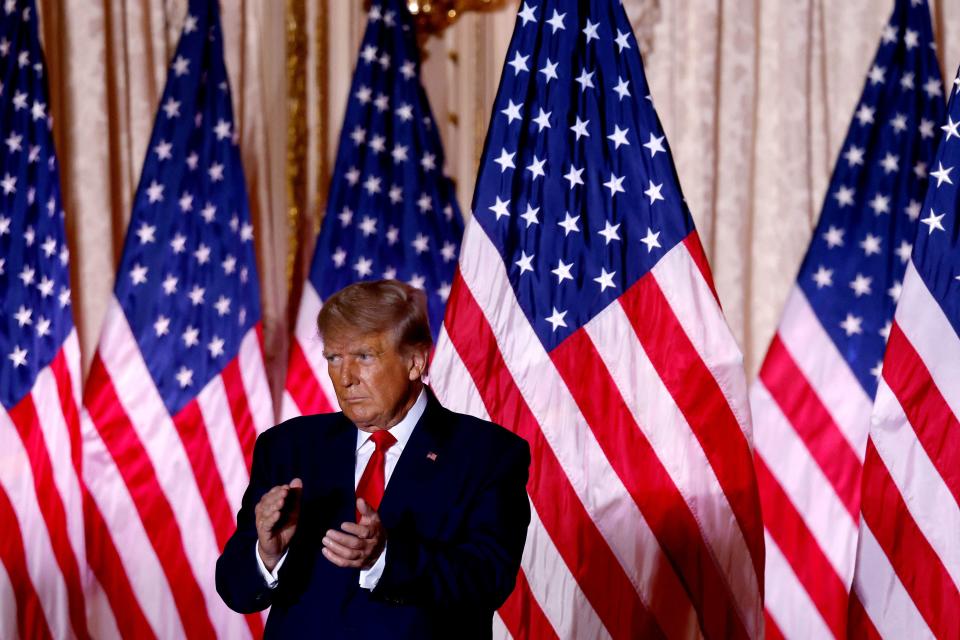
(418,462)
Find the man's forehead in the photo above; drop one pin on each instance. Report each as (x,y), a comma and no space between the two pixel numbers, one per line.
(353,340)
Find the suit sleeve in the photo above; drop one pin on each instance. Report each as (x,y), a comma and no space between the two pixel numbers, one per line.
(239,580)
(479,569)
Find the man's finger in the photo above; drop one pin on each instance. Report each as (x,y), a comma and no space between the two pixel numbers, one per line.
(337,560)
(359,530)
(341,550)
(345,539)
(296,483)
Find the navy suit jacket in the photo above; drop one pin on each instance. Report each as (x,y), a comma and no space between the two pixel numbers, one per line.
(456,523)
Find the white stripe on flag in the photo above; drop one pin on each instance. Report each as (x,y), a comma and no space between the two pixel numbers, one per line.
(681,454)
(926,496)
(101,620)
(16,479)
(551,583)
(288,408)
(828,373)
(139,560)
(802,479)
(933,337)
(595,482)
(222,433)
(310,305)
(8,607)
(310,342)
(499,629)
(57,439)
(702,320)
(455,387)
(154,427)
(254,374)
(887,603)
(787,601)
(554,587)
(71,351)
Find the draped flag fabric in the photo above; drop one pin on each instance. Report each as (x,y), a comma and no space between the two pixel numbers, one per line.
(391,212)
(583,318)
(907,579)
(177,391)
(42,554)
(812,399)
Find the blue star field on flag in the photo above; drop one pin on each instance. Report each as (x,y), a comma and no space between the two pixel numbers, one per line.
(391,211)
(578,190)
(187,281)
(937,252)
(853,270)
(34,259)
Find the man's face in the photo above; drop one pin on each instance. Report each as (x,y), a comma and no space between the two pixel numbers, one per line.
(375,383)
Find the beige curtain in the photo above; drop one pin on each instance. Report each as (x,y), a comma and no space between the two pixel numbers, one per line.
(108,61)
(755,97)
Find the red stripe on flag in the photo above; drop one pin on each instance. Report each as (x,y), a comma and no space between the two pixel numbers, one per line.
(27,422)
(189,423)
(800,548)
(522,614)
(303,385)
(812,422)
(155,511)
(771,630)
(71,417)
(30,618)
(937,429)
(247,435)
(583,548)
(190,426)
(239,409)
(650,485)
(103,558)
(859,624)
(695,249)
(700,399)
(916,563)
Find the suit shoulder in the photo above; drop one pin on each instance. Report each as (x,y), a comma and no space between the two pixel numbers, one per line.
(296,430)
(497,437)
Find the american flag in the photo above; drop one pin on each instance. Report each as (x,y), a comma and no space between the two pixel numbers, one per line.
(811,402)
(177,391)
(583,318)
(391,212)
(42,554)
(907,579)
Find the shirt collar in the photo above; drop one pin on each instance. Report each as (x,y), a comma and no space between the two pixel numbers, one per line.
(403,429)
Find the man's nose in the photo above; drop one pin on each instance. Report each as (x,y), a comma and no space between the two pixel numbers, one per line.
(348,373)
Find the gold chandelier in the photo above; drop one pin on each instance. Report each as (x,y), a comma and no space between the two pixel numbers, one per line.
(433,16)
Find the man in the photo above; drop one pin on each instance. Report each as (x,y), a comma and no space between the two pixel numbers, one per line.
(395,518)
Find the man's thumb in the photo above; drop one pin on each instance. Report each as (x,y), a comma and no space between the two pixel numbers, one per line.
(296,483)
(364,508)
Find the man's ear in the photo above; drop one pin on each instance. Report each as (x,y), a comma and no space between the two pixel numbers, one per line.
(418,362)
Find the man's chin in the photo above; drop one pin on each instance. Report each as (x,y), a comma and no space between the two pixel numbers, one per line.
(356,415)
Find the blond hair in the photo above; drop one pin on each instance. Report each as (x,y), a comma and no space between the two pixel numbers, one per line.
(375,306)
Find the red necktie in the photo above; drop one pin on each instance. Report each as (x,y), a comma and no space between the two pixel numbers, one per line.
(373,480)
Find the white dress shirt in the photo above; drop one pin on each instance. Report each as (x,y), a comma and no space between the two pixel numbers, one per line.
(365,448)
